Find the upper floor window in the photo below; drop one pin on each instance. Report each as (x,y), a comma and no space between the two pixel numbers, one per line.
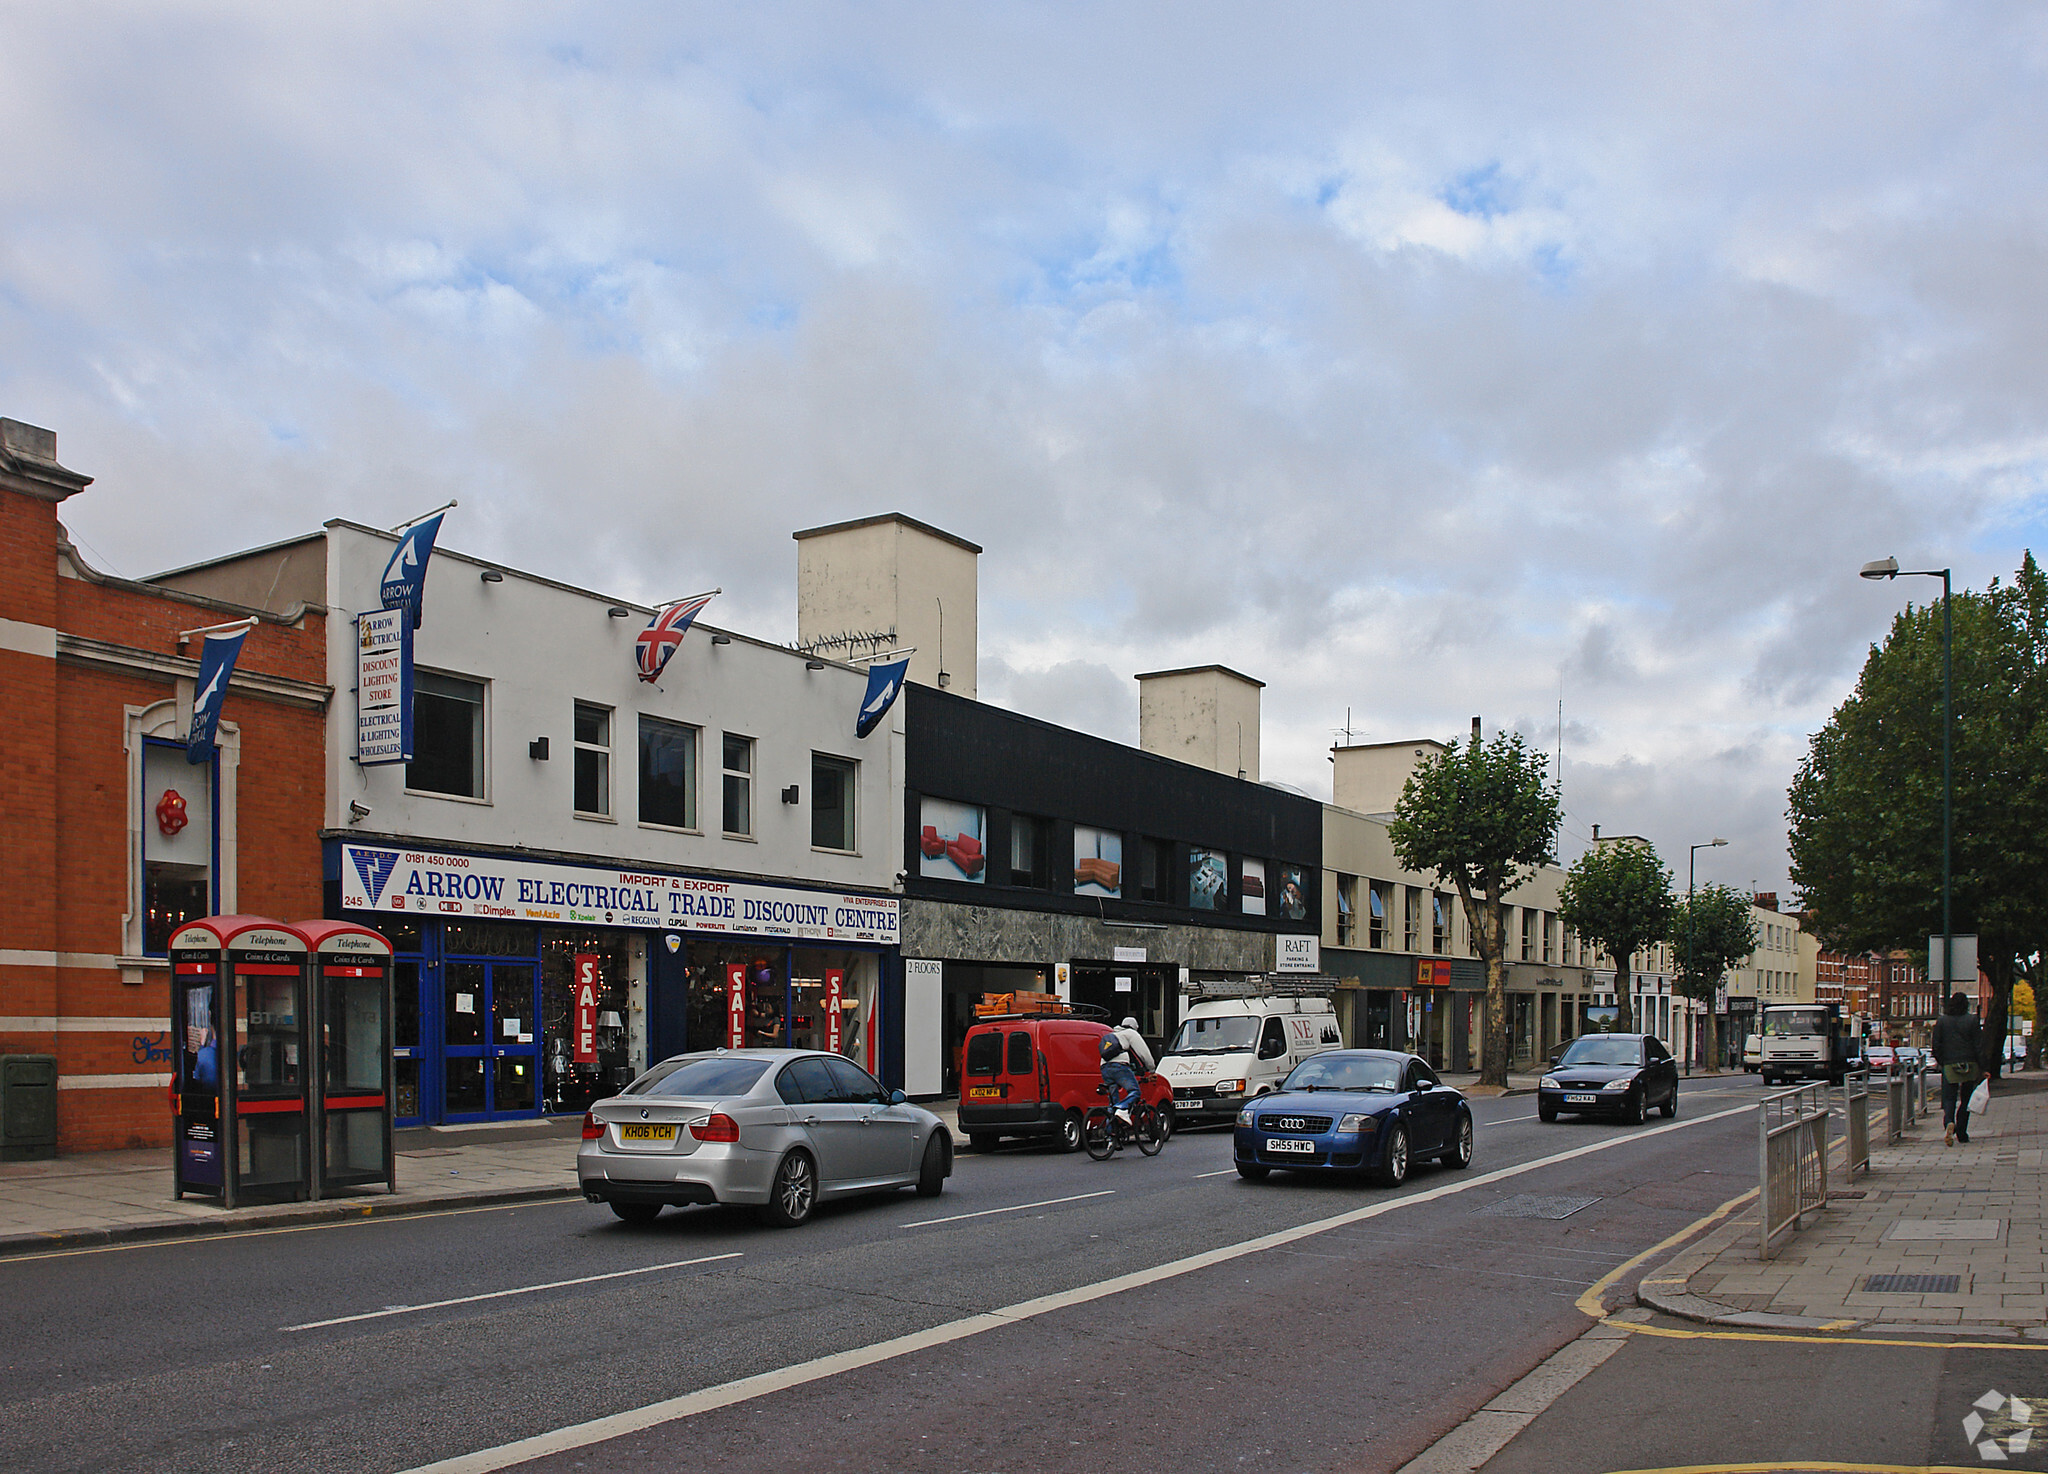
(668,773)
(1439,922)
(1411,922)
(739,785)
(1380,900)
(1528,935)
(1155,874)
(447,736)
(593,759)
(832,802)
(1347,911)
(1030,851)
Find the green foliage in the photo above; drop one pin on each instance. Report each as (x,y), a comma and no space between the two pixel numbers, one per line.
(1482,817)
(1710,932)
(1618,896)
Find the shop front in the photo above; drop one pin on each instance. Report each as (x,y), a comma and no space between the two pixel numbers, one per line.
(526,987)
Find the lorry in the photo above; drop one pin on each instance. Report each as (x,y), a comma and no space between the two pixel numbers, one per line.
(1809,1041)
(1239,1037)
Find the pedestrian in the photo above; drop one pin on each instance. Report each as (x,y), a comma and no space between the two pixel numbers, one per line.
(1956,1039)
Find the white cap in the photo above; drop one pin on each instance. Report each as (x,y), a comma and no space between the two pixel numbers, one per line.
(1129,1023)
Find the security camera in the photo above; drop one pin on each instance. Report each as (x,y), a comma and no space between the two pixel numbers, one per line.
(901,876)
(357,811)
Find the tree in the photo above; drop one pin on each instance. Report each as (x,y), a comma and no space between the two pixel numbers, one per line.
(1865,805)
(1618,896)
(1711,930)
(1483,817)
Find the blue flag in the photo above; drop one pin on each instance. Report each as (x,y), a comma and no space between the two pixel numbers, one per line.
(216,665)
(405,576)
(885,683)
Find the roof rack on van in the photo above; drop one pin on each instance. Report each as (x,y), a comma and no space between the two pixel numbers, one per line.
(1261,985)
(1033,1005)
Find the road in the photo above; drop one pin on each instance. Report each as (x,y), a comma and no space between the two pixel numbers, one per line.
(1330,1326)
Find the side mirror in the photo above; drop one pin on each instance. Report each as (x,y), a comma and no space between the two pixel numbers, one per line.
(897,1097)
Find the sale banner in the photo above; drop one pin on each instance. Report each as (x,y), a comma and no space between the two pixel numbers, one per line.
(835,984)
(586,1009)
(735,1005)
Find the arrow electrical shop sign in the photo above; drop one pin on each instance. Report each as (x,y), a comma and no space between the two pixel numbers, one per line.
(383,687)
(426,883)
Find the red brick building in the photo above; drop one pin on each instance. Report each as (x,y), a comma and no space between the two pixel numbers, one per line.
(96,691)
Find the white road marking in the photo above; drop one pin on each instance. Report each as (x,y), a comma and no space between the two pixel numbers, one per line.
(588,1279)
(709,1399)
(1013,1208)
(1224,1173)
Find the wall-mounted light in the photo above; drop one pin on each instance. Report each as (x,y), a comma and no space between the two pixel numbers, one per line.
(789,794)
(814,665)
(357,811)
(491,575)
(945,679)
(538,749)
(721,639)
(619,611)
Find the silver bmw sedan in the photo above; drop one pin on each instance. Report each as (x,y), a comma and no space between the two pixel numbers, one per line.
(781,1129)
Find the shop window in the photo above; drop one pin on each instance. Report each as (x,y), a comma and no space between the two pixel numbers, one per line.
(447,736)
(1381,900)
(668,774)
(833,783)
(177,842)
(572,1078)
(739,785)
(1030,851)
(593,760)
(1439,922)
(171,896)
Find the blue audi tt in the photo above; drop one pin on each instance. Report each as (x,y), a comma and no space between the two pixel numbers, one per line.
(1360,1111)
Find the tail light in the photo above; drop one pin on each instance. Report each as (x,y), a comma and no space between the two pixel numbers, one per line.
(716,1127)
(593,1129)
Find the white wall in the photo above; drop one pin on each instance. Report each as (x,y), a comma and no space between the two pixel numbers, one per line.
(541,647)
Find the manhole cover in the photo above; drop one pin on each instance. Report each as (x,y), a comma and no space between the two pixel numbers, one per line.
(1535,1205)
(1913,1284)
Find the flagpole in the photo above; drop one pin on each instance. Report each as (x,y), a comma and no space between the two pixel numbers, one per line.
(185,636)
(889,655)
(671,603)
(447,506)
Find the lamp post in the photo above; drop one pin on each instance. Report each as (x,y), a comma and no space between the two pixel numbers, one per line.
(1692,854)
(1886,568)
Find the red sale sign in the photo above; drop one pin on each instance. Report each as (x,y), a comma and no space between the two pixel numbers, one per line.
(586,1009)
(835,983)
(735,1005)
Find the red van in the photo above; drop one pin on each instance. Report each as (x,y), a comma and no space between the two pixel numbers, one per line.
(1036,1076)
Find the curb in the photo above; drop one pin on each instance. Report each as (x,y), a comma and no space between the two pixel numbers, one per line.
(283,1216)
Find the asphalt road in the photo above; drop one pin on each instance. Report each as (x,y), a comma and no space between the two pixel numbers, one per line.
(1351,1347)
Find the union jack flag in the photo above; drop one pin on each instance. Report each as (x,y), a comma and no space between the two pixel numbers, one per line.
(664,637)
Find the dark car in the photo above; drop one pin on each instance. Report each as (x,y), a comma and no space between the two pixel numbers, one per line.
(1611,1075)
(1354,1111)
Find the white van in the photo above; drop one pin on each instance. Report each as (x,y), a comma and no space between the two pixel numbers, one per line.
(1239,1039)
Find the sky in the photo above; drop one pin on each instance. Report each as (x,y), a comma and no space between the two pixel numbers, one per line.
(1423,362)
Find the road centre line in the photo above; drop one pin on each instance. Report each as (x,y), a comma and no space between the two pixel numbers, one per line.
(745,1389)
(588,1279)
(1013,1208)
(1224,1173)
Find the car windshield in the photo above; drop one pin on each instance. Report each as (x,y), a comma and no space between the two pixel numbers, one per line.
(1336,1072)
(704,1078)
(1215,1035)
(1594,1050)
(1789,1021)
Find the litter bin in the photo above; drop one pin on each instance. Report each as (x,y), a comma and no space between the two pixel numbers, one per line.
(28,1107)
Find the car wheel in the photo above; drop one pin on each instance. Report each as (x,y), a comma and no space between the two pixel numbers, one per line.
(1670,1107)
(1632,1108)
(1545,1112)
(1251,1172)
(1460,1154)
(1394,1157)
(637,1212)
(795,1192)
(1070,1132)
(982,1141)
(931,1177)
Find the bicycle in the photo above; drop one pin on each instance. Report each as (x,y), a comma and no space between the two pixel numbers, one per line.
(1104,1135)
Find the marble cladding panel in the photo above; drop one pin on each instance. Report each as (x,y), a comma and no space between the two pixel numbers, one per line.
(999,934)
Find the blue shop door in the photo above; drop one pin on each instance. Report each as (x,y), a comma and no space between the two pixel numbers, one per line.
(490,1041)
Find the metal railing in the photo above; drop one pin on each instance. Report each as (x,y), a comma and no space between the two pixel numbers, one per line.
(1856,1122)
(1906,1101)
(1792,1162)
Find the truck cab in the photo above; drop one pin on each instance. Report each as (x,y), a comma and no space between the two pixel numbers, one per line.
(1809,1041)
(1239,1039)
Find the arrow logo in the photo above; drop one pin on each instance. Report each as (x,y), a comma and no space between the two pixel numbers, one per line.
(881,701)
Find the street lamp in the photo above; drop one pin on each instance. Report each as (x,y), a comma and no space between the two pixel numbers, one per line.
(1889,568)
(1692,854)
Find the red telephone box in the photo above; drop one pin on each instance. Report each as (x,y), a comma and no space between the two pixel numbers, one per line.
(349,975)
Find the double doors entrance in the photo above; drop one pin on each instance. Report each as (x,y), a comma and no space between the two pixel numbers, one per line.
(490,1044)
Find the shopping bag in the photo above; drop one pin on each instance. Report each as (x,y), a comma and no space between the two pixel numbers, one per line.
(1980,1102)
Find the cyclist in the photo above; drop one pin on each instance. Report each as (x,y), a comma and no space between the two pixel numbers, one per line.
(1122,1048)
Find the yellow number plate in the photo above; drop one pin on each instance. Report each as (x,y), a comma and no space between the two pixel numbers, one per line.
(985,1092)
(647,1133)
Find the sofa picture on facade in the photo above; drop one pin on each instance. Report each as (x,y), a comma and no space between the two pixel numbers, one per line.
(1091,870)
(964,850)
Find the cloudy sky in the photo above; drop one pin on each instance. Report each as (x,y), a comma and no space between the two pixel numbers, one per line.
(1422,361)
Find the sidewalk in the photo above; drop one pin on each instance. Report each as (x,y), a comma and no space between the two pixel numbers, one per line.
(1468,1081)
(1962,1224)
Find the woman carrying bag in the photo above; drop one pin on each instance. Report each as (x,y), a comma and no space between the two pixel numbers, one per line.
(1956,1040)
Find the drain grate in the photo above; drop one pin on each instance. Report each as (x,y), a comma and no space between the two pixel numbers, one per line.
(1535,1205)
(1912,1284)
